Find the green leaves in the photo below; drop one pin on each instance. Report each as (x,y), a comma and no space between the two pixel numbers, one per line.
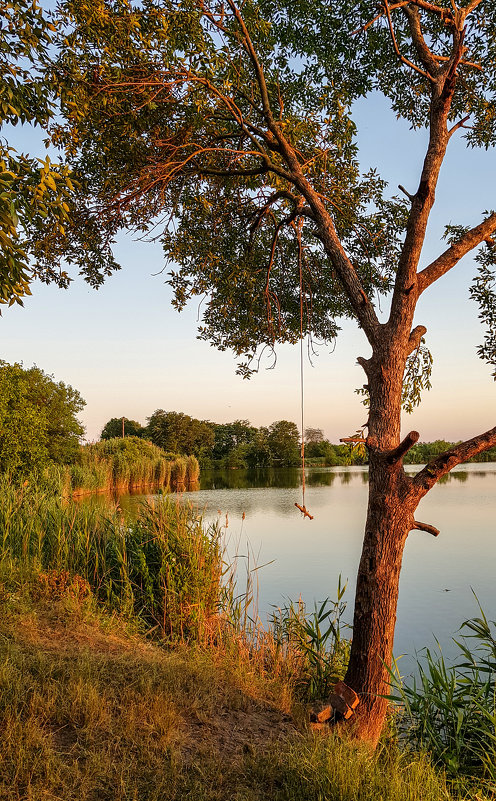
(40,227)
(483,291)
(38,422)
(417,377)
(451,709)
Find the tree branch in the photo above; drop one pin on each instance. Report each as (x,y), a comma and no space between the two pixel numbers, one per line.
(447,260)
(424,53)
(416,335)
(442,464)
(401,57)
(398,453)
(425,527)
(443,87)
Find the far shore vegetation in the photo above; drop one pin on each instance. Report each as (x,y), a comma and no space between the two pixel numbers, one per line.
(241,445)
(40,435)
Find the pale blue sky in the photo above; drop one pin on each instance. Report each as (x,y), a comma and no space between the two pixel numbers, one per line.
(129,352)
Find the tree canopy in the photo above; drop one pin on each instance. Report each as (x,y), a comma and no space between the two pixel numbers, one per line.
(217,127)
(43,220)
(113,428)
(179,433)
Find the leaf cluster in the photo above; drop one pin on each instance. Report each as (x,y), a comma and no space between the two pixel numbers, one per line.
(38,419)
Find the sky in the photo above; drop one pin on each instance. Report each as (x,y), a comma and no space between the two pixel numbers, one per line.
(129,352)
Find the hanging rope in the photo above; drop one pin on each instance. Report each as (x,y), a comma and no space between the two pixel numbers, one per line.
(302,508)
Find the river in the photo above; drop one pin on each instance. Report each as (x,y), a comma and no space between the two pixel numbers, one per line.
(305,557)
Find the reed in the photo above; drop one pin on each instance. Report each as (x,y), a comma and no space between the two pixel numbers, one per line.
(315,643)
(192,470)
(164,568)
(123,464)
(450,711)
(178,473)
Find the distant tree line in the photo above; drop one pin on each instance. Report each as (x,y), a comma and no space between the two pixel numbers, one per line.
(239,444)
(423,452)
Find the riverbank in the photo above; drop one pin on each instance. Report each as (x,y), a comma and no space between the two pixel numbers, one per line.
(132,666)
(94,710)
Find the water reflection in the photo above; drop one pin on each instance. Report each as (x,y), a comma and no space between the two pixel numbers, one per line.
(285,478)
(255,478)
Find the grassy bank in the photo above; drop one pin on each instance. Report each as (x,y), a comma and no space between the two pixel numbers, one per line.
(124,464)
(92,711)
(131,668)
(163,568)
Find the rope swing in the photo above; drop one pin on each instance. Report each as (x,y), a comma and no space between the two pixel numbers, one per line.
(303,509)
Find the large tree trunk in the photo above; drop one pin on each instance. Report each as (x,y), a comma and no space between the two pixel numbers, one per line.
(389,520)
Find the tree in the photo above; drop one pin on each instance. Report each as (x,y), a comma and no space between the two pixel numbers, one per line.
(235,128)
(180,433)
(43,220)
(314,435)
(38,422)
(61,404)
(284,443)
(23,436)
(113,428)
(258,452)
(230,441)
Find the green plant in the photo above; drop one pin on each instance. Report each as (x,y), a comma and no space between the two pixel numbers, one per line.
(316,638)
(451,710)
(162,568)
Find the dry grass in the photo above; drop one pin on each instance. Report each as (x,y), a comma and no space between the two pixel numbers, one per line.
(92,711)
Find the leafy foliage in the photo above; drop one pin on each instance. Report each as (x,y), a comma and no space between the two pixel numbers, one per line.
(113,428)
(180,433)
(483,291)
(316,639)
(157,110)
(38,422)
(165,123)
(417,377)
(43,218)
(23,425)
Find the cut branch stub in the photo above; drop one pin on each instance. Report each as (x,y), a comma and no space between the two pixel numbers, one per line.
(417,525)
(403,448)
(415,337)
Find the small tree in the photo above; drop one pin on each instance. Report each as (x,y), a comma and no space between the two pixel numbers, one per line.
(314,435)
(284,443)
(180,433)
(113,428)
(235,126)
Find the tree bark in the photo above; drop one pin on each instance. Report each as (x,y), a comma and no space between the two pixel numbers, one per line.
(390,517)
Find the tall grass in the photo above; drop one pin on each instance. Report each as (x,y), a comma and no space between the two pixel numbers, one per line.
(315,642)
(163,568)
(450,710)
(124,464)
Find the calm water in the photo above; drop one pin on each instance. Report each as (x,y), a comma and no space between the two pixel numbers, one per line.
(307,556)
